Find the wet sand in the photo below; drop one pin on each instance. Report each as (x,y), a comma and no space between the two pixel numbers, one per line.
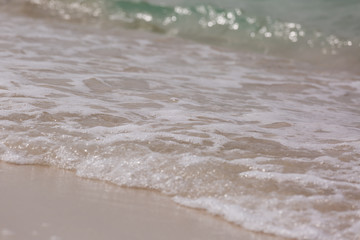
(47,203)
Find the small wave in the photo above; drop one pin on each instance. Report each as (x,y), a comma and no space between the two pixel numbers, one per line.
(232,27)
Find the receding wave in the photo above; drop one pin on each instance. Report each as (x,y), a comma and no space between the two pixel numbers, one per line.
(261,141)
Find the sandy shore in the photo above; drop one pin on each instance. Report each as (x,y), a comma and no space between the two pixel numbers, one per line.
(46,203)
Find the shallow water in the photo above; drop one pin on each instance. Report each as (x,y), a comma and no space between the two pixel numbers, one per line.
(267,143)
(324,33)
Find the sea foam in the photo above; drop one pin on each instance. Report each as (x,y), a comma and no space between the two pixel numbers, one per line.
(261,141)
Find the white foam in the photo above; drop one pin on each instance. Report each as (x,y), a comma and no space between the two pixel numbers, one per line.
(275,152)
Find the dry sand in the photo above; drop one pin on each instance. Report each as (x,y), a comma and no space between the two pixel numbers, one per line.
(47,203)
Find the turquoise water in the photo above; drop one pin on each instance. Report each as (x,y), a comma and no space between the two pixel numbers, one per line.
(320,32)
(329,16)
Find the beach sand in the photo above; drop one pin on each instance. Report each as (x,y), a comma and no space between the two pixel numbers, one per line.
(46,203)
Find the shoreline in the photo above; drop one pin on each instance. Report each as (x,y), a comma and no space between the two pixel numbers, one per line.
(46,203)
(258,140)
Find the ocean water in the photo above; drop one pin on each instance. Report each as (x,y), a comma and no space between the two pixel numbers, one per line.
(322,32)
(248,109)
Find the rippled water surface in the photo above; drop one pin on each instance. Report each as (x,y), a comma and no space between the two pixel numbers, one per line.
(267,143)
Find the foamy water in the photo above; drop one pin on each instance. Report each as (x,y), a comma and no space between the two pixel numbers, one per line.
(264,142)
